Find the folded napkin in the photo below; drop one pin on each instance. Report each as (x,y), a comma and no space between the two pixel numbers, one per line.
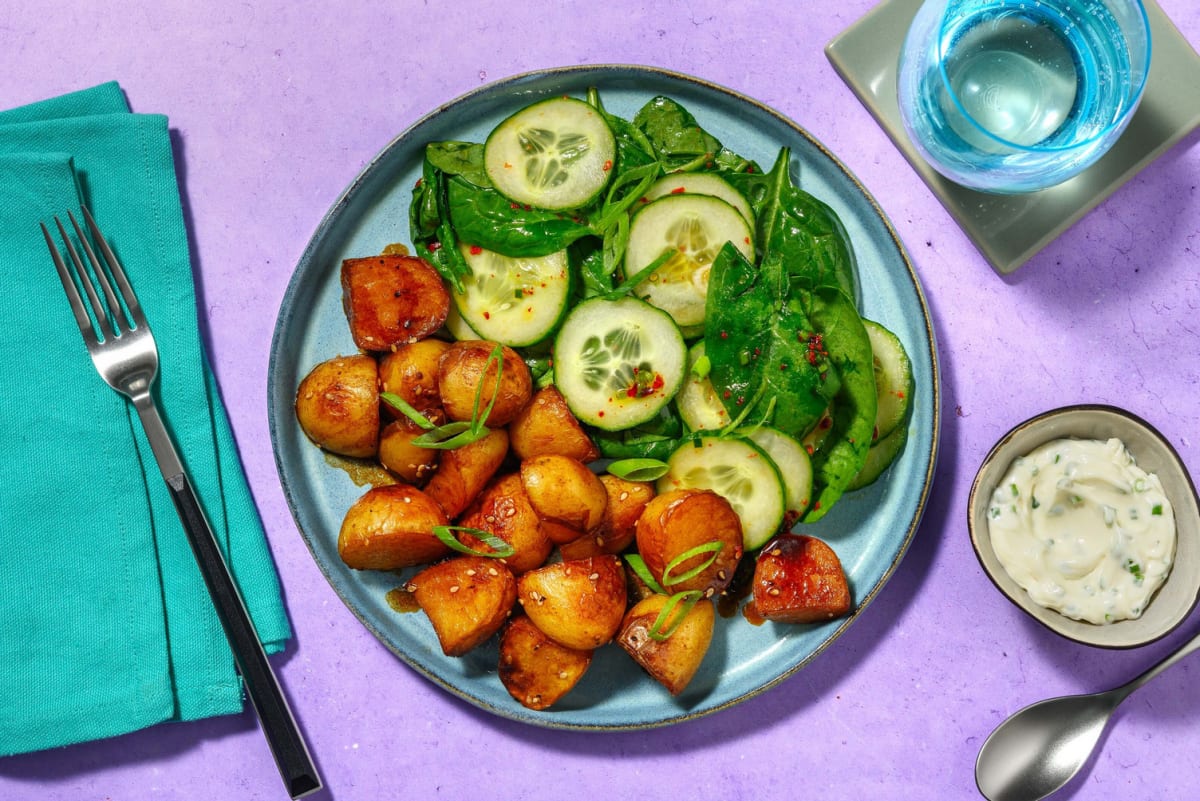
(105,622)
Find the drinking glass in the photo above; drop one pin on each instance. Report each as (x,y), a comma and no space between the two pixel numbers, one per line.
(1016,96)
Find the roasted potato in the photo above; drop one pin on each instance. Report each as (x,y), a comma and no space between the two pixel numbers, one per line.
(675,522)
(799,579)
(337,405)
(536,670)
(467,599)
(503,509)
(391,300)
(672,661)
(564,491)
(547,426)
(411,372)
(626,501)
(413,463)
(465,372)
(391,527)
(577,604)
(462,472)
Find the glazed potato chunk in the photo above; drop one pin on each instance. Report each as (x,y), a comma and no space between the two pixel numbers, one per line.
(466,372)
(626,501)
(563,490)
(536,670)
(391,527)
(467,599)
(672,661)
(675,522)
(577,604)
(337,405)
(463,472)
(391,300)
(400,456)
(799,579)
(503,510)
(547,426)
(411,372)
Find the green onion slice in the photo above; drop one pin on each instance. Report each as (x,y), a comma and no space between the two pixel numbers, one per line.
(497,548)
(712,547)
(670,618)
(638,566)
(399,404)
(637,469)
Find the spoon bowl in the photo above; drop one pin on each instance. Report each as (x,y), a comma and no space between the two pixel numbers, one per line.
(1042,747)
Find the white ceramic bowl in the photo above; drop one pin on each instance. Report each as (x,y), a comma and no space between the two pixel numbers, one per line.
(1179,593)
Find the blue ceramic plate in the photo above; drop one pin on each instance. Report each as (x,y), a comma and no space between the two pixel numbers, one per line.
(870,529)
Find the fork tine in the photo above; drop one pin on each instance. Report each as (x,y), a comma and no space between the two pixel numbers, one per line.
(116,311)
(118,272)
(73,297)
(81,272)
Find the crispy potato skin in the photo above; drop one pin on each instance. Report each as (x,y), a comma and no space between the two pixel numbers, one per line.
(467,599)
(461,376)
(799,579)
(536,670)
(337,405)
(411,372)
(400,456)
(672,662)
(677,521)
(626,502)
(563,490)
(503,509)
(578,604)
(391,300)
(463,472)
(547,426)
(391,527)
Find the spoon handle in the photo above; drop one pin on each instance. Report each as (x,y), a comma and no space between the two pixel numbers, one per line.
(1170,659)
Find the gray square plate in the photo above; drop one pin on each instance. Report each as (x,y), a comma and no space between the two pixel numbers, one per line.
(1010,229)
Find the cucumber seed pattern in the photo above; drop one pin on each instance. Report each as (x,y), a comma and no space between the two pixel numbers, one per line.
(550,154)
(694,253)
(611,364)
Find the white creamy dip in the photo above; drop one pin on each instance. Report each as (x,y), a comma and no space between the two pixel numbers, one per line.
(1083,529)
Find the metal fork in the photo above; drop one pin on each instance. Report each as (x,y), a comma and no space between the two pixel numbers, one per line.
(127,359)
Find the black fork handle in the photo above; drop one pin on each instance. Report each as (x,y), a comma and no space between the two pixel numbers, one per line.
(275,716)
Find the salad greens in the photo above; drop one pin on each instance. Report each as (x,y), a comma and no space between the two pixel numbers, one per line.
(784,341)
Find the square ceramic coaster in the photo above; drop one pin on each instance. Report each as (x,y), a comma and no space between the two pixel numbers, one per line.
(1011,229)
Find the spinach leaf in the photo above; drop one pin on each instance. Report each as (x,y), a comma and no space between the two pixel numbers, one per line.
(429,223)
(799,229)
(459,158)
(843,452)
(765,354)
(680,143)
(482,216)
(657,438)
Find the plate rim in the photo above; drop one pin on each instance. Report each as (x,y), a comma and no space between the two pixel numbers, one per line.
(605,71)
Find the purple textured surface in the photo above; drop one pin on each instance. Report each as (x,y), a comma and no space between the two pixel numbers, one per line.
(277,106)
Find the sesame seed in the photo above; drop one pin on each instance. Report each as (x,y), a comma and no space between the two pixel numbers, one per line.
(455,588)
(773,591)
(594,577)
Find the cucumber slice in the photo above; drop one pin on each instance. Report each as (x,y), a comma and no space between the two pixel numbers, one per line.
(617,363)
(513,301)
(555,154)
(880,458)
(893,379)
(694,228)
(738,470)
(795,467)
(697,401)
(700,183)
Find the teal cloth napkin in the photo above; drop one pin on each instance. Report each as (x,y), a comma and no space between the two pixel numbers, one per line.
(105,623)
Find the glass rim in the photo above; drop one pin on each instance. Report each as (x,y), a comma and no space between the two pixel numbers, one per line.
(1134,97)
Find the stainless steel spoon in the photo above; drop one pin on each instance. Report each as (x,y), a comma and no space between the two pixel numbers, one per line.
(1041,748)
